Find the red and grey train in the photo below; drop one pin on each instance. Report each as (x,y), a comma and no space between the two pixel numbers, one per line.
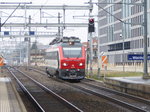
(65,58)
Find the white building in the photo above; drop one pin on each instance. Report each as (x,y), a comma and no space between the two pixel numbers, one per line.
(113,33)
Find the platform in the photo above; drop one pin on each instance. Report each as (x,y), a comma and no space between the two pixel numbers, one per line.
(10,101)
(132,85)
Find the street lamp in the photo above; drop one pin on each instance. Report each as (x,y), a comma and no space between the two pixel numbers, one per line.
(123,52)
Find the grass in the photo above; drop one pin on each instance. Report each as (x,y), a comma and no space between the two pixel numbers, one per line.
(113,74)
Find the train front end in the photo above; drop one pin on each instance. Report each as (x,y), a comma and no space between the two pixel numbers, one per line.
(72,61)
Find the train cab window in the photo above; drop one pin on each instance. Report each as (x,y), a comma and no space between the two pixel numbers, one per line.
(52,55)
(72,52)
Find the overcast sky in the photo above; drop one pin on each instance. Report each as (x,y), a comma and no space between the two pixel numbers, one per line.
(80,32)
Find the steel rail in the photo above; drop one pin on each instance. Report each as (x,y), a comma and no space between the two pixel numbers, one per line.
(27,92)
(122,103)
(39,71)
(119,93)
(61,99)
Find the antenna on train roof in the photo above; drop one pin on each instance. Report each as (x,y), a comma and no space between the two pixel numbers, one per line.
(54,41)
(65,40)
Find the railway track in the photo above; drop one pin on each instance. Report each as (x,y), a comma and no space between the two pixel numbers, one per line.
(129,101)
(42,97)
(39,69)
(139,99)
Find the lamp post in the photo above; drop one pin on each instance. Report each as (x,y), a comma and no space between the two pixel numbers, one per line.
(123,52)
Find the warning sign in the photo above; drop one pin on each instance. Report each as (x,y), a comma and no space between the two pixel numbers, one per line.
(104,61)
(1,61)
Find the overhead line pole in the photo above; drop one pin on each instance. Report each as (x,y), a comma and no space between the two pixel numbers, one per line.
(59,23)
(29,40)
(0,26)
(98,52)
(64,17)
(91,41)
(145,40)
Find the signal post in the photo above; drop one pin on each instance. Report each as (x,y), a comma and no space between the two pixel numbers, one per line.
(91,29)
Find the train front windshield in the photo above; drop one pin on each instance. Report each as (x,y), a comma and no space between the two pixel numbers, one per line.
(72,52)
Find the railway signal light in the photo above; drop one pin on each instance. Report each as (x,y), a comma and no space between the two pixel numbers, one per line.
(91,26)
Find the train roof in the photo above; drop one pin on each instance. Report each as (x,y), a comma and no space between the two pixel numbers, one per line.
(65,40)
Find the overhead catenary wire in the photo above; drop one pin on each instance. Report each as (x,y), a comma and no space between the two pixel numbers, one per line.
(41,8)
(110,14)
(10,15)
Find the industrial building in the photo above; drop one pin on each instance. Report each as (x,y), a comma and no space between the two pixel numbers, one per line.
(121,30)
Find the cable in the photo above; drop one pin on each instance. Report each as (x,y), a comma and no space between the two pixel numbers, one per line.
(10,15)
(41,8)
(110,14)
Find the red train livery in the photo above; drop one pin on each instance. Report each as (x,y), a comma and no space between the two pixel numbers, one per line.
(65,58)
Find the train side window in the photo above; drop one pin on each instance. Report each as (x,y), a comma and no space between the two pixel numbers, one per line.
(52,55)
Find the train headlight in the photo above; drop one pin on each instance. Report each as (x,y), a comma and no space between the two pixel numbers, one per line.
(65,64)
(71,43)
(80,64)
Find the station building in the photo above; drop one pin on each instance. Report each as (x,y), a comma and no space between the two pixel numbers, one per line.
(113,33)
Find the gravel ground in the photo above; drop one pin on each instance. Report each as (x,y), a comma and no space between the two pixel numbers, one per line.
(28,105)
(86,102)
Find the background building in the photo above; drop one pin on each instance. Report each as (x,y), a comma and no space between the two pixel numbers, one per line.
(37,56)
(114,33)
